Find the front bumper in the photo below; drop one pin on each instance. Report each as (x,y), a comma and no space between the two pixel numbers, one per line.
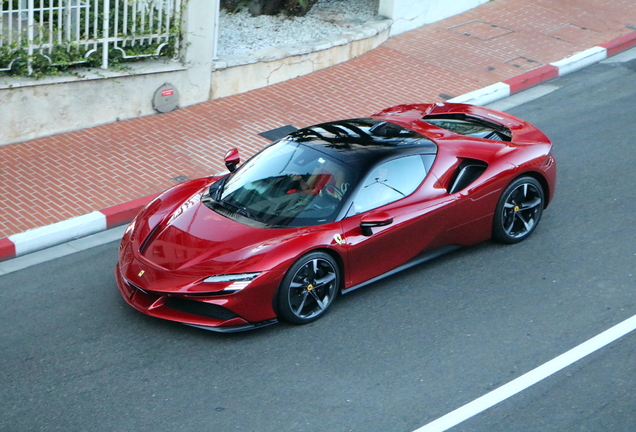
(208,314)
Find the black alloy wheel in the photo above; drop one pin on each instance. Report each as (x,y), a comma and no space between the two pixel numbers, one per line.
(518,211)
(309,288)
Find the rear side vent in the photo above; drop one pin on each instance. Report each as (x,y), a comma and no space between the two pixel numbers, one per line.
(466,173)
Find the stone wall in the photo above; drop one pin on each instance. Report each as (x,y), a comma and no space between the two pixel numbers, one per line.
(238,74)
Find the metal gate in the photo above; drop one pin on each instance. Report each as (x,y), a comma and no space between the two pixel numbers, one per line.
(65,32)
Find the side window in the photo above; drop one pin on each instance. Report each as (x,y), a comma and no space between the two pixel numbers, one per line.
(389,182)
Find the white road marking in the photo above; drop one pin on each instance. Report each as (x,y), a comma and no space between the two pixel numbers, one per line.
(534,376)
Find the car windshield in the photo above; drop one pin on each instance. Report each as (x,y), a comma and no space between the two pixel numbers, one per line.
(288,185)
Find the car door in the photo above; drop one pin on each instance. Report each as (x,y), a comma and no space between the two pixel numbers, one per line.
(397,214)
(469,172)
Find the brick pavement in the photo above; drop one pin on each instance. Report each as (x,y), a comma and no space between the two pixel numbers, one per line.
(55,178)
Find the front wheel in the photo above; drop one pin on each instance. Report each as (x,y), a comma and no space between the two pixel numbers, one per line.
(308,289)
(518,211)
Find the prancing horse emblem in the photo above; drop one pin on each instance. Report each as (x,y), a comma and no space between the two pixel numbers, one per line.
(141,273)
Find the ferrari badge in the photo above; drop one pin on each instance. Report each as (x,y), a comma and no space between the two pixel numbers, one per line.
(338,238)
(141,273)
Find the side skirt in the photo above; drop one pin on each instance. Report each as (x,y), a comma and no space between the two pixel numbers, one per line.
(415,261)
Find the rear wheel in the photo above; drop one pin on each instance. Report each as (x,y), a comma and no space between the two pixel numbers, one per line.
(308,289)
(518,211)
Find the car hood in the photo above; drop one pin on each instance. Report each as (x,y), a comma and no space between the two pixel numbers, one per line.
(194,234)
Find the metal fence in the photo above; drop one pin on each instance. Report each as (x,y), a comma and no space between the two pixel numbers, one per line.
(66,32)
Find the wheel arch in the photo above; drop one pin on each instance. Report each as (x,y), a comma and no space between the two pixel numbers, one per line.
(542,181)
(510,218)
(332,253)
(339,260)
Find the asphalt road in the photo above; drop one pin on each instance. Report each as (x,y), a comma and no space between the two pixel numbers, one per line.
(391,357)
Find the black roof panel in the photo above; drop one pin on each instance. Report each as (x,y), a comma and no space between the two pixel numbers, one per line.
(363,140)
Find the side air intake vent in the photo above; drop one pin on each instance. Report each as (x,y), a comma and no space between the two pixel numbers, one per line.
(466,173)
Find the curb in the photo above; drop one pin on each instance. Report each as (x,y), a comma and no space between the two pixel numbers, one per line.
(97,221)
(545,73)
(61,232)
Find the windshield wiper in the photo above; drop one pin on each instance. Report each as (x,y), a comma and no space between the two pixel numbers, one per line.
(243,211)
(216,189)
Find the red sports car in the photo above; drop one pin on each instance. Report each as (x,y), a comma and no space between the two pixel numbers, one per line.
(331,208)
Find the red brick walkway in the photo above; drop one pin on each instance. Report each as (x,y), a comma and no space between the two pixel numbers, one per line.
(52,179)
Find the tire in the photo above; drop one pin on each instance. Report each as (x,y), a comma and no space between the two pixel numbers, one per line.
(518,211)
(308,288)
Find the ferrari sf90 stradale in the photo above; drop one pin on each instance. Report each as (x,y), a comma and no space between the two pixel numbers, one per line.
(330,208)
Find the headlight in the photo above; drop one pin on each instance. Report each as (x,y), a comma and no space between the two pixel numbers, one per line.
(239,281)
(232,277)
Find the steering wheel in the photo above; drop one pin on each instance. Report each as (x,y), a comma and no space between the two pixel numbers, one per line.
(331,191)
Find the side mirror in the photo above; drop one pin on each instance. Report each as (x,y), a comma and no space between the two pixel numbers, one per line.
(377,219)
(232,159)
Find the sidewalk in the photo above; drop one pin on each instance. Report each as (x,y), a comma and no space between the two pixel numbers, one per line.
(48,180)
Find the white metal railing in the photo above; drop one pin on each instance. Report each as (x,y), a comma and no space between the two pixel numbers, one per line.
(64,32)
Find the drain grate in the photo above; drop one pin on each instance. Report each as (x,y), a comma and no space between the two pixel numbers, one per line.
(523,63)
(571,33)
(481,30)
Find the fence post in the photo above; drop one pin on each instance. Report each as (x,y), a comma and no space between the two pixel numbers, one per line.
(106,23)
(30,25)
(198,48)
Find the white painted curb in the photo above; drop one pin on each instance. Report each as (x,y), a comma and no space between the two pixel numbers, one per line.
(485,95)
(501,90)
(580,60)
(60,232)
